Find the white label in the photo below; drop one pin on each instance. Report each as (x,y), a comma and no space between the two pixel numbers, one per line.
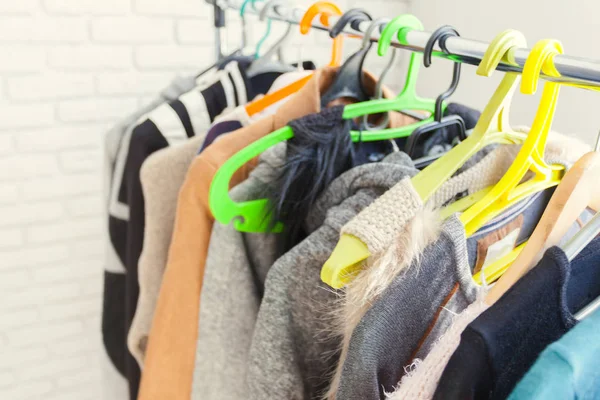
(501,247)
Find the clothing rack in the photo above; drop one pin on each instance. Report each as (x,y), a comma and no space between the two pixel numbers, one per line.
(219,23)
(573,70)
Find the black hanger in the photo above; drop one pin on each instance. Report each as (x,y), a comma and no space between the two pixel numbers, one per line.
(441,34)
(349,80)
(234,56)
(354,17)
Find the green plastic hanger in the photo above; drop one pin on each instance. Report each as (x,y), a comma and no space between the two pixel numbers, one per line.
(253,216)
(407,99)
(493,126)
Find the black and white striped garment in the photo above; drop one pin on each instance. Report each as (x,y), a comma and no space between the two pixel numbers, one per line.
(170,123)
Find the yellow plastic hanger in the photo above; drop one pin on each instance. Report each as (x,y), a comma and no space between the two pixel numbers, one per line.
(577,191)
(495,270)
(462,204)
(493,127)
(508,191)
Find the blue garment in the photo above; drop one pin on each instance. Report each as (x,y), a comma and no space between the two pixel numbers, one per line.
(500,346)
(568,369)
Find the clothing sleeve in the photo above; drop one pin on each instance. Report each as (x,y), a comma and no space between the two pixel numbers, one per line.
(468,374)
(274,350)
(236,267)
(293,351)
(228,307)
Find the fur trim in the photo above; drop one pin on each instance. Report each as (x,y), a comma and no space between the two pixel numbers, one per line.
(377,275)
(380,270)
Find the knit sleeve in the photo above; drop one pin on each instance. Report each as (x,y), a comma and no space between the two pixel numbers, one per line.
(385,217)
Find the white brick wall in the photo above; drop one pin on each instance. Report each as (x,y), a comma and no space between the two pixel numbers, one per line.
(69,69)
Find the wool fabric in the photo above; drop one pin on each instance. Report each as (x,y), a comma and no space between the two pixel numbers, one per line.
(500,345)
(169,364)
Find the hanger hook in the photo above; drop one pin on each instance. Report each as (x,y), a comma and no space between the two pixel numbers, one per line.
(354,17)
(325,9)
(503,46)
(243,7)
(541,58)
(441,34)
(378,23)
(399,26)
(269,5)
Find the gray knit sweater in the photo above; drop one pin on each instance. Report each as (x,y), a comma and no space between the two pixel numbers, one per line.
(292,354)
(236,267)
(235,273)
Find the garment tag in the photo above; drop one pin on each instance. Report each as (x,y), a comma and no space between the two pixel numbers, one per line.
(501,248)
(498,243)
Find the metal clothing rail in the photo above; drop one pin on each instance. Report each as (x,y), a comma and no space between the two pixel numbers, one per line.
(573,70)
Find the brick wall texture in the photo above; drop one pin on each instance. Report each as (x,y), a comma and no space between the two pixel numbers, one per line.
(69,69)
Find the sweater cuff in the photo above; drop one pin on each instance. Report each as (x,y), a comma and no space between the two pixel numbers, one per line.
(379,223)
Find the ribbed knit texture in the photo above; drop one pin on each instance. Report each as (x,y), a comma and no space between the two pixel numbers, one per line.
(374,227)
(486,172)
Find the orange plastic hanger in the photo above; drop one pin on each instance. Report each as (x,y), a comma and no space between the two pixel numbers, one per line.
(272,98)
(325,9)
